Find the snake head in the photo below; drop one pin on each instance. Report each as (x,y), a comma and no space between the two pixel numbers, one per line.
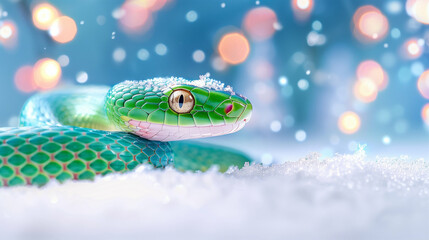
(169,109)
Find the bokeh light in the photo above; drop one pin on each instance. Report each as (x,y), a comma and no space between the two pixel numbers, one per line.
(63,29)
(302,9)
(152,5)
(412,48)
(423,84)
(370,24)
(234,48)
(349,122)
(8,34)
(365,90)
(259,23)
(371,70)
(47,73)
(44,14)
(425,113)
(24,79)
(419,10)
(136,18)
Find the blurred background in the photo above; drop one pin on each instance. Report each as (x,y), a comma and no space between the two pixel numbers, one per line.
(324,76)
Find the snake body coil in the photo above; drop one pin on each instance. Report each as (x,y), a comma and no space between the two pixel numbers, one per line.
(81,132)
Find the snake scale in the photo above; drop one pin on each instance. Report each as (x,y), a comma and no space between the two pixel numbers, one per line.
(81,132)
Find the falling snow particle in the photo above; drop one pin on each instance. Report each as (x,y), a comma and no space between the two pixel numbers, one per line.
(82,22)
(219,64)
(386,140)
(63,60)
(81,77)
(277,26)
(119,55)
(191,16)
(118,13)
(161,49)
(394,7)
(101,20)
(257,2)
(198,56)
(13,121)
(113,35)
(307,72)
(283,80)
(317,25)
(143,54)
(395,33)
(222,5)
(303,84)
(300,135)
(275,126)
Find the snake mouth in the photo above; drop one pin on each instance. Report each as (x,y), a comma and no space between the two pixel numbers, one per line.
(164,132)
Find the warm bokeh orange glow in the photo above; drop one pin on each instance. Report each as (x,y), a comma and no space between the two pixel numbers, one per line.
(136,18)
(153,5)
(419,10)
(349,122)
(234,48)
(63,29)
(412,49)
(8,34)
(365,90)
(44,15)
(302,8)
(24,79)
(425,113)
(423,84)
(259,23)
(370,24)
(47,73)
(370,69)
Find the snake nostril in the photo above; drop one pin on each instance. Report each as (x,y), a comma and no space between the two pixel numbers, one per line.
(228,109)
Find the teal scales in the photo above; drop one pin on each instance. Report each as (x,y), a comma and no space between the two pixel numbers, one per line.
(82,132)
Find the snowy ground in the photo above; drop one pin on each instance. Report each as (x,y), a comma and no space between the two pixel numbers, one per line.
(344,197)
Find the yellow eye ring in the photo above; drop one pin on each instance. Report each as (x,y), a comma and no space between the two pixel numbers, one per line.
(181,101)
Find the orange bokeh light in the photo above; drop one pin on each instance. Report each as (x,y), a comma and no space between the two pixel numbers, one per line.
(47,73)
(349,122)
(302,8)
(136,18)
(419,10)
(24,79)
(425,113)
(365,90)
(423,84)
(63,29)
(412,49)
(234,48)
(153,5)
(370,69)
(8,34)
(259,23)
(370,24)
(44,15)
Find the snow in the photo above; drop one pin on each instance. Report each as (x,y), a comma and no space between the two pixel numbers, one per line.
(343,197)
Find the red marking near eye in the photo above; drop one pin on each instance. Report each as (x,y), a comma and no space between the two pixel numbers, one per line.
(228,109)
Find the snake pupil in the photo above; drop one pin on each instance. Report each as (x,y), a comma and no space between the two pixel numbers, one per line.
(181,101)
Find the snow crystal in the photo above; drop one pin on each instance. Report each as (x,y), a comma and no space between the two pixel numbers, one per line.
(343,197)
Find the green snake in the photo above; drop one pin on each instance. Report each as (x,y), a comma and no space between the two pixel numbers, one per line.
(81,132)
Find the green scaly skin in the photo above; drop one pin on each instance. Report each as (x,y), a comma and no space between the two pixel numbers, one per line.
(73,133)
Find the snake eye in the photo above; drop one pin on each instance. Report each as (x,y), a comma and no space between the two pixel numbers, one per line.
(181,101)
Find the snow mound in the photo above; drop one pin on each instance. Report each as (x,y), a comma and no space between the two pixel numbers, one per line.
(344,197)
